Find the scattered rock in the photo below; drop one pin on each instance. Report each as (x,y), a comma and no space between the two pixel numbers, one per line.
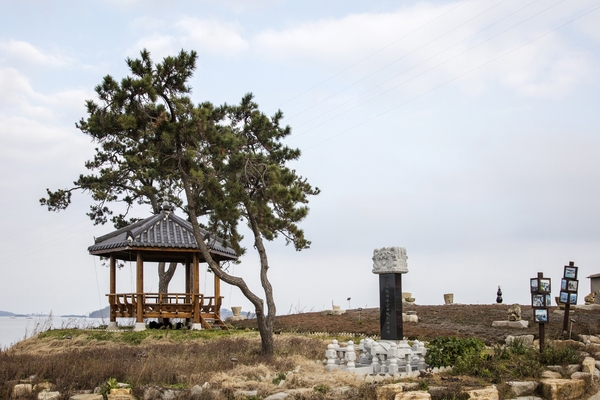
(527,340)
(277,396)
(43,386)
(511,324)
(22,390)
(589,338)
(87,396)
(565,370)
(46,395)
(588,365)
(416,395)
(410,318)
(551,375)
(488,393)
(120,391)
(388,391)
(246,393)
(196,390)
(344,390)
(522,388)
(580,375)
(558,389)
(592,348)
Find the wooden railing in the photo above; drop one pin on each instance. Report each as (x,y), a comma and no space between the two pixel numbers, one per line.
(164,305)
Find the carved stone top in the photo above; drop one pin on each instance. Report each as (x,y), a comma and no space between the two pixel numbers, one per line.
(390,260)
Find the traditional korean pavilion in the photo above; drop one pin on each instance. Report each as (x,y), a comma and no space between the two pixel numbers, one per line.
(163,237)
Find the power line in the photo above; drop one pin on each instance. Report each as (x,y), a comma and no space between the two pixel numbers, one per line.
(417,76)
(454,79)
(410,53)
(370,55)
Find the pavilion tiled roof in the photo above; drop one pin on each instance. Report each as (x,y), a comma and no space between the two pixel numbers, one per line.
(160,231)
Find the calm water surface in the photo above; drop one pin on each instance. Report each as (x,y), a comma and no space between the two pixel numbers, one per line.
(15,329)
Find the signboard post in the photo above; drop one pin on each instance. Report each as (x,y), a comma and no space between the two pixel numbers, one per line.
(568,291)
(541,300)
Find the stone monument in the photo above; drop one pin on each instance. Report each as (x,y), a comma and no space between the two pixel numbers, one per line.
(237,314)
(514,319)
(448,298)
(392,355)
(514,312)
(590,298)
(390,263)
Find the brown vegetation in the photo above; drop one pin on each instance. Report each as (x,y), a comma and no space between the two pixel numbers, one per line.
(74,360)
(461,320)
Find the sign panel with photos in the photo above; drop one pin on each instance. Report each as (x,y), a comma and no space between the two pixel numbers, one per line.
(571,272)
(569,285)
(541,299)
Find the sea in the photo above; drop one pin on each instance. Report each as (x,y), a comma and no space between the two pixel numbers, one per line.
(15,329)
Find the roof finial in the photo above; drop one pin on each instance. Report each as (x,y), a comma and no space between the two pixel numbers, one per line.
(167,208)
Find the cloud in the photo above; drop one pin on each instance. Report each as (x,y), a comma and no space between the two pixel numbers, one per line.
(18,94)
(212,36)
(208,36)
(22,99)
(26,52)
(159,45)
(403,50)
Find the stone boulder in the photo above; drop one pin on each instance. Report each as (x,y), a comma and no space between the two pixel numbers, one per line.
(416,395)
(518,389)
(22,390)
(527,340)
(561,389)
(47,395)
(487,393)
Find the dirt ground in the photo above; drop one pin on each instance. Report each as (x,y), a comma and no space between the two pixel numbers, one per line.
(462,320)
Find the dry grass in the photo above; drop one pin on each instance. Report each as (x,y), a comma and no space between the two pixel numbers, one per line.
(84,362)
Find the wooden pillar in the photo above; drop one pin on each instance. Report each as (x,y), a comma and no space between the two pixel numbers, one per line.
(188,288)
(139,280)
(113,288)
(188,279)
(196,289)
(217,295)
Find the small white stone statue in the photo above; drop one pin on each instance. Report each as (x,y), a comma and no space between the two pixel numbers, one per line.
(390,260)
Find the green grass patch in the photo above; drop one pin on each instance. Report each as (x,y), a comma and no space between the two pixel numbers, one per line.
(136,338)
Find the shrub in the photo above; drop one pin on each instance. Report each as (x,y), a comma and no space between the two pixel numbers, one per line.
(445,351)
(561,354)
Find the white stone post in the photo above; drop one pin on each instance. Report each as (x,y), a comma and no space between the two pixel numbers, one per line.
(350,355)
(331,355)
(375,364)
(393,354)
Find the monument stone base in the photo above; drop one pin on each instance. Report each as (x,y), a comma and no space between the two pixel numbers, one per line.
(112,326)
(139,326)
(511,324)
(391,357)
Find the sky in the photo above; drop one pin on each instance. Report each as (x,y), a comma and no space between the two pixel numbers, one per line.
(465,131)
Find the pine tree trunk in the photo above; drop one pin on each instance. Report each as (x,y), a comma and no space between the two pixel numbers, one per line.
(265,323)
(164,277)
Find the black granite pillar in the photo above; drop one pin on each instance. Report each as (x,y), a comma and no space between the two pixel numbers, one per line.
(390,306)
